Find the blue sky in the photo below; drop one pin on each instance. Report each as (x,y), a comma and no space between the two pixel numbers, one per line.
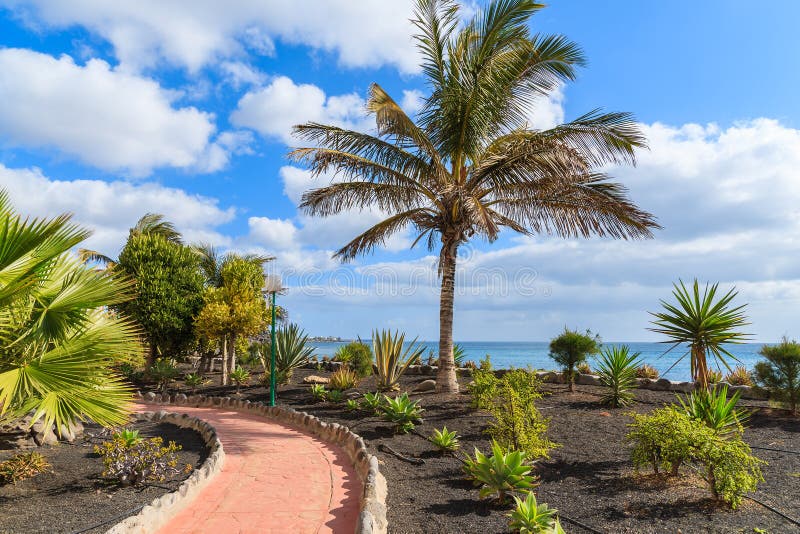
(110,111)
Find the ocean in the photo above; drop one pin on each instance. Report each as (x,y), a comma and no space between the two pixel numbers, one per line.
(520,354)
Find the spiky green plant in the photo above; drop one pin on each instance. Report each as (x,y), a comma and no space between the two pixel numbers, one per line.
(344,378)
(22,466)
(318,392)
(716,410)
(616,368)
(402,411)
(335,396)
(459,355)
(471,164)
(129,438)
(372,402)
(351,405)
(59,345)
(391,358)
(531,517)
(240,376)
(503,473)
(704,322)
(445,440)
(194,381)
(646,370)
(739,376)
(163,371)
(291,351)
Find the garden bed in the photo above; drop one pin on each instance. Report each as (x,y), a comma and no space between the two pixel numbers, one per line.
(589,478)
(73,497)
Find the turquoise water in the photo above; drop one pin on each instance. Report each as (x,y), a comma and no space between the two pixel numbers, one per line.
(534,354)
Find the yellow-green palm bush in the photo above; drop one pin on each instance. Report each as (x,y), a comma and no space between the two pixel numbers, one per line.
(59,344)
(391,358)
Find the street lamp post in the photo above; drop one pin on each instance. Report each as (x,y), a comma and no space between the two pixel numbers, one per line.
(272,285)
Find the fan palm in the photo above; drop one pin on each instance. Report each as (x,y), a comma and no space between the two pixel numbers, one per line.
(703,322)
(471,165)
(58,342)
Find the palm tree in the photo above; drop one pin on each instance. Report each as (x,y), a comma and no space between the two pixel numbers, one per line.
(471,165)
(149,223)
(58,341)
(704,323)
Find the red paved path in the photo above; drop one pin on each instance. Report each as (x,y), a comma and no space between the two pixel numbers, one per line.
(275,480)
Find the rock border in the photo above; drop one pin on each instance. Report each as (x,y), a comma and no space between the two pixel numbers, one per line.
(156,514)
(372,516)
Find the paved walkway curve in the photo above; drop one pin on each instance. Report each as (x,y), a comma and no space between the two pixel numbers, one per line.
(275,480)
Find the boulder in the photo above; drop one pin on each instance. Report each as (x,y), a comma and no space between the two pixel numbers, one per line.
(314,379)
(426,385)
(682,387)
(662,384)
(588,380)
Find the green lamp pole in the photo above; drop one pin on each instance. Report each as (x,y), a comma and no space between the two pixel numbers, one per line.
(272,284)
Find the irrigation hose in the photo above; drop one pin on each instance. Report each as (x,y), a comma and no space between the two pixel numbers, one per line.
(117,517)
(771,509)
(578,523)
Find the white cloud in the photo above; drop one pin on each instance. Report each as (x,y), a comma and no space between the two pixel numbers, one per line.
(368,33)
(548,111)
(106,118)
(412,102)
(275,109)
(274,234)
(111,208)
(239,74)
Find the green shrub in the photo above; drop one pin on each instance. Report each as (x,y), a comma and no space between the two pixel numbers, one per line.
(516,423)
(739,376)
(163,371)
(129,437)
(240,376)
(780,373)
(531,517)
(503,473)
(391,359)
(357,356)
(351,405)
(343,379)
(372,402)
(486,363)
(318,393)
(335,396)
(195,380)
(669,438)
(402,411)
(22,466)
(445,440)
(647,371)
(616,369)
(133,463)
(715,410)
(570,349)
(483,388)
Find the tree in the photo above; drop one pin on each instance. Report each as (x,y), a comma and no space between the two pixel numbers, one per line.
(571,348)
(235,308)
(704,324)
(780,374)
(168,288)
(58,341)
(471,165)
(149,223)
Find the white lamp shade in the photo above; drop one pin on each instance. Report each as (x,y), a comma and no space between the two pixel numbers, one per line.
(272,284)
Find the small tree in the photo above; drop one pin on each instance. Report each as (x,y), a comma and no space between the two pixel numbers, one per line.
(168,289)
(571,348)
(780,374)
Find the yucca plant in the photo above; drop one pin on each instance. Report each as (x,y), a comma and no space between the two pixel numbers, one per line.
(372,402)
(240,376)
(739,376)
(402,411)
(704,322)
(445,440)
(716,410)
(531,517)
(163,371)
(194,381)
(343,378)
(503,473)
(318,392)
(59,345)
(391,358)
(471,165)
(291,351)
(616,368)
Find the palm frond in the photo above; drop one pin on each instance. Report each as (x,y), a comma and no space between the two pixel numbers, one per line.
(154,223)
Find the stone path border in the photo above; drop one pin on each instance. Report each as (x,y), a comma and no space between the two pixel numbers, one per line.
(157,513)
(372,506)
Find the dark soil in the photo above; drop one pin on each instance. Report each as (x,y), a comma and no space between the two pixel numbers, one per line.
(589,478)
(73,497)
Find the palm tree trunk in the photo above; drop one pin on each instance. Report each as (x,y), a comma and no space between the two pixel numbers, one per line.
(225,360)
(446,380)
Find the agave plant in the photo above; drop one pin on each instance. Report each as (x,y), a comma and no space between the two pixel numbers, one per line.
(163,371)
(445,440)
(503,473)
(739,376)
(291,351)
(704,322)
(715,410)
(195,380)
(372,402)
(240,376)
(59,345)
(616,369)
(402,411)
(531,517)
(391,359)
